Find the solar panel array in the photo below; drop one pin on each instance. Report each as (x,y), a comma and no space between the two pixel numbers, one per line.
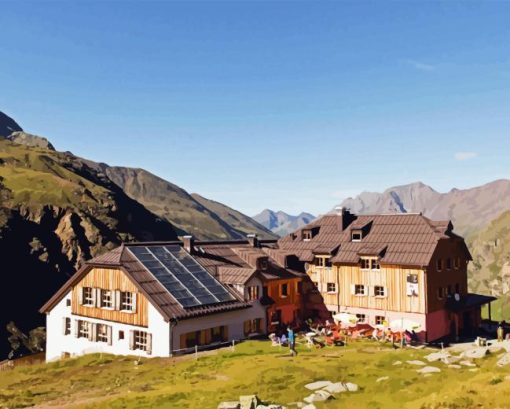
(186,280)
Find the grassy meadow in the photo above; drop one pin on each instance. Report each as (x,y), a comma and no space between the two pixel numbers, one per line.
(101,381)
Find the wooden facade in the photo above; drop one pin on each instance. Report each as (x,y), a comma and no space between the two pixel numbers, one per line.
(288,306)
(394,280)
(115,280)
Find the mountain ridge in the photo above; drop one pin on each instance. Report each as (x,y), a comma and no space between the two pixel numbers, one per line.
(282,223)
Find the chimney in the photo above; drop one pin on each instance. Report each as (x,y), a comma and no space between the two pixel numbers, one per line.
(339,210)
(188,243)
(253,240)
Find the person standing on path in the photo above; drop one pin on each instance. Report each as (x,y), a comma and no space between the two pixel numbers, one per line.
(292,341)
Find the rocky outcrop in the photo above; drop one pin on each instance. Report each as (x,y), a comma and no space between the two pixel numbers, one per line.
(23,138)
(8,125)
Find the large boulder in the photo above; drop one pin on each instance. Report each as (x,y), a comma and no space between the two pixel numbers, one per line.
(318,396)
(249,401)
(229,405)
(428,370)
(476,353)
(318,385)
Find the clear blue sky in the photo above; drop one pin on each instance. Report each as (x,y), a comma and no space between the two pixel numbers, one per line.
(287,105)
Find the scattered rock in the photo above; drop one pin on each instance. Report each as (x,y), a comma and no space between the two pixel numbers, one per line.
(351,387)
(382,378)
(476,353)
(318,385)
(428,369)
(416,362)
(397,363)
(338,387)
(318,396)
(437,356)
(451,359)
(249,401)
(467,363)
(504,360)
(229,405)
(453,366)
(310,406)
(474,369)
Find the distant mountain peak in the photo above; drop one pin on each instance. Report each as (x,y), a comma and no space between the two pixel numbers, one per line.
(282,223)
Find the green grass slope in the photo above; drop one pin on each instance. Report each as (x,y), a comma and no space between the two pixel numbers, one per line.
(490,270)
(56,211)
(96,381)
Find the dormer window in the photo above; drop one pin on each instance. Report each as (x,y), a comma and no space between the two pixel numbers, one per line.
(370,263)
(307,235)
(263,263)
(356,235)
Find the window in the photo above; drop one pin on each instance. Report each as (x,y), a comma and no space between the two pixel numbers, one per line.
(379,291)
(356,235)
(252,327)
(67,326)
(375,264)
(263,264)
(365,263)
(456,263)
(68,302)
(299,287)
(88,296)
(102,333)
(307,235)
(127,301)
(106,299)
(379,319)
(439,264)
(253,293)
(276,317)
(218,334)
(331,287)
(83,329)
(141,340)
(361,317)
(323,261)
(121,334)
(448,263)
(284,290)
(265,291)
(440,293)
(359,289)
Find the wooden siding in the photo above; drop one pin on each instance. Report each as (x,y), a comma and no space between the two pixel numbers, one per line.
(110,279)
(446,277)
(392,278)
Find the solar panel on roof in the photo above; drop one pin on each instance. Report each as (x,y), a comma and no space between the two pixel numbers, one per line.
(185,279)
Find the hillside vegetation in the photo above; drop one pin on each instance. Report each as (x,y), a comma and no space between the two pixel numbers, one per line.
(255,367)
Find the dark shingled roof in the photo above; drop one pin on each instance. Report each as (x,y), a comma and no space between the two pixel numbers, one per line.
(403,239)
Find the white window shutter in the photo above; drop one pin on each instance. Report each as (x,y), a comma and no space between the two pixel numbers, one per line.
(80,295)
(76,328)
(149,344)
(109,334)
(116,300)
(353,289)
(369,290)
(131,340)
(92,331)
(64,321)
(134,301)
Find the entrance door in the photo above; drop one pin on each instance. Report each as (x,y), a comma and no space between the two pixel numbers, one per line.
(467,323)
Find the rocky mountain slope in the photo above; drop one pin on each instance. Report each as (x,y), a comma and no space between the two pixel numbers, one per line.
(57,209)
(470,209)
(191,214)
(282,223)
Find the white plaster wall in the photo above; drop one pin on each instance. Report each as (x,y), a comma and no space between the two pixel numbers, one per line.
(233,319)
(390,315)
(57,343)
